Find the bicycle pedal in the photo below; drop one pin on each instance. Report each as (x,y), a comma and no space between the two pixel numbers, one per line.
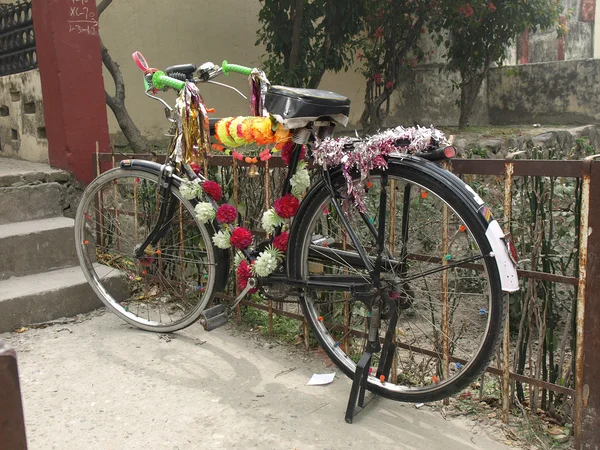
(213,318)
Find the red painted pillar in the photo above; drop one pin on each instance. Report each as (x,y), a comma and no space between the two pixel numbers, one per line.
(523,48)
(588,10)
(68,49)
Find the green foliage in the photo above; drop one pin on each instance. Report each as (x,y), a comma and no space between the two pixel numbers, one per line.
(477,35)
(480,33)
(328,35)
(391,48)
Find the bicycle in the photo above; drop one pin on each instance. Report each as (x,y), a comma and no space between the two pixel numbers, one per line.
(399,266)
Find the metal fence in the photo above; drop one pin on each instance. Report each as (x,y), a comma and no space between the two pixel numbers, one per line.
(583,389)
(17,39)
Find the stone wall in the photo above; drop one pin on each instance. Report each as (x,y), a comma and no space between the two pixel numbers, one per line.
(557,92)
(564,92)
(22,126)
(430,97)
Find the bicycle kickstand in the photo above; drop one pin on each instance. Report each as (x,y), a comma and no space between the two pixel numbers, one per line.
(359,382)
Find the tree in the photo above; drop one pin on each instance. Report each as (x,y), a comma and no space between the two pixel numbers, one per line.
(477,35)
(304,38)
(391,48)
(117,102)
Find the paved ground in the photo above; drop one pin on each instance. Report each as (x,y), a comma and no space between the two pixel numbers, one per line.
(101,384)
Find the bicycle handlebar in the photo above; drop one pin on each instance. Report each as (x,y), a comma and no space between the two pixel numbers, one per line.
(226,67)
(160,81)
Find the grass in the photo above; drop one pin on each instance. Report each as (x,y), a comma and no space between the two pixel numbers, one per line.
(285,329)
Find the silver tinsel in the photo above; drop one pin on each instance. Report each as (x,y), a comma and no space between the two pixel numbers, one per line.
(365,155)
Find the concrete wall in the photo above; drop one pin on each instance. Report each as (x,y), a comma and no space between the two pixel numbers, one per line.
(429,97)
(561,92)
(180,31)
(22,126)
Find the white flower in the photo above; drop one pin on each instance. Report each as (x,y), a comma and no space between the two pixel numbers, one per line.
(270,221)
(300,181)
(266,263)
(190,190)
(205,212)
(239,257)
(221,239)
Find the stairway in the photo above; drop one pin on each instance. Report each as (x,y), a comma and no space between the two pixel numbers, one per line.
(40,278)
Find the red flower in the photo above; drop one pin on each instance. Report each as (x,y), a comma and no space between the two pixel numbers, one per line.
(243,274)
(280,242)
(213,190)
(237,155)
(378,78)
(378,32)
(492,7)
(196,168)
(359,55)
(467,10)
(265,154)
(389,85)
(286,206)
(226,214)
(240,238)
(286,152)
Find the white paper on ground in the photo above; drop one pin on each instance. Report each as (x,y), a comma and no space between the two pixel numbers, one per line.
(320,379)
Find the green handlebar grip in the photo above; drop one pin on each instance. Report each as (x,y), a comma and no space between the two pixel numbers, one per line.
(226,67)
(161,81)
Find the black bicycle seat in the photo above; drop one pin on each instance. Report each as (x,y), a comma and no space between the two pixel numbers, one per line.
(291,103)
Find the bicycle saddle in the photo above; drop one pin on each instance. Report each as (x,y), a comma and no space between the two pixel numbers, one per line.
(296,106)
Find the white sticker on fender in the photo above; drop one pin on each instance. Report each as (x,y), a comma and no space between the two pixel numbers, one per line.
(506,268)
(476,197)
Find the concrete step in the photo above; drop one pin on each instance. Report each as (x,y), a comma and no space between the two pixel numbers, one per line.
(36,246)
(31,202)
(16,172)
(50,295)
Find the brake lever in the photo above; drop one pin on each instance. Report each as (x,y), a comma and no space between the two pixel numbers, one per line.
(227,86)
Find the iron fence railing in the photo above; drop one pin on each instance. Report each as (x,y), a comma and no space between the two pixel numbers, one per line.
(17,39)
(584,388)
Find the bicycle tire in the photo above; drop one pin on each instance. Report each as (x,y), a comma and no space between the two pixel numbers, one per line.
(446,187)
(160,285)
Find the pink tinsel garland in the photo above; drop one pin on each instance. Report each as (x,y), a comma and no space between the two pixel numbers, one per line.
(368,154)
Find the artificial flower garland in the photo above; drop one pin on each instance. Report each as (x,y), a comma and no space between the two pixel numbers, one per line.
(235,132)
(350,154)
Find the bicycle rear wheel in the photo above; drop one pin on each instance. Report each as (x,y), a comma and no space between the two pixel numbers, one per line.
(439,277)
(166,289)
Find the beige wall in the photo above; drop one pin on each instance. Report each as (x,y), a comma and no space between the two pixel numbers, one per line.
(183,31)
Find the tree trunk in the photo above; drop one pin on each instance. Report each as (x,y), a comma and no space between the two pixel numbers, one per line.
(371,119)
(469,89)
(315,80)
(117,102)
(296,33)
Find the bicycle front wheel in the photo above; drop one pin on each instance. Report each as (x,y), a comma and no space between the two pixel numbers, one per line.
(443,306)
(168,287)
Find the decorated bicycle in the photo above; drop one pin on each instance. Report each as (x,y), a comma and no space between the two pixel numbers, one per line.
(398,265)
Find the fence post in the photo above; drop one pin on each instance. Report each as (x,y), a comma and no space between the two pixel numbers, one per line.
(12,425)
(509,169)
(587,362)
